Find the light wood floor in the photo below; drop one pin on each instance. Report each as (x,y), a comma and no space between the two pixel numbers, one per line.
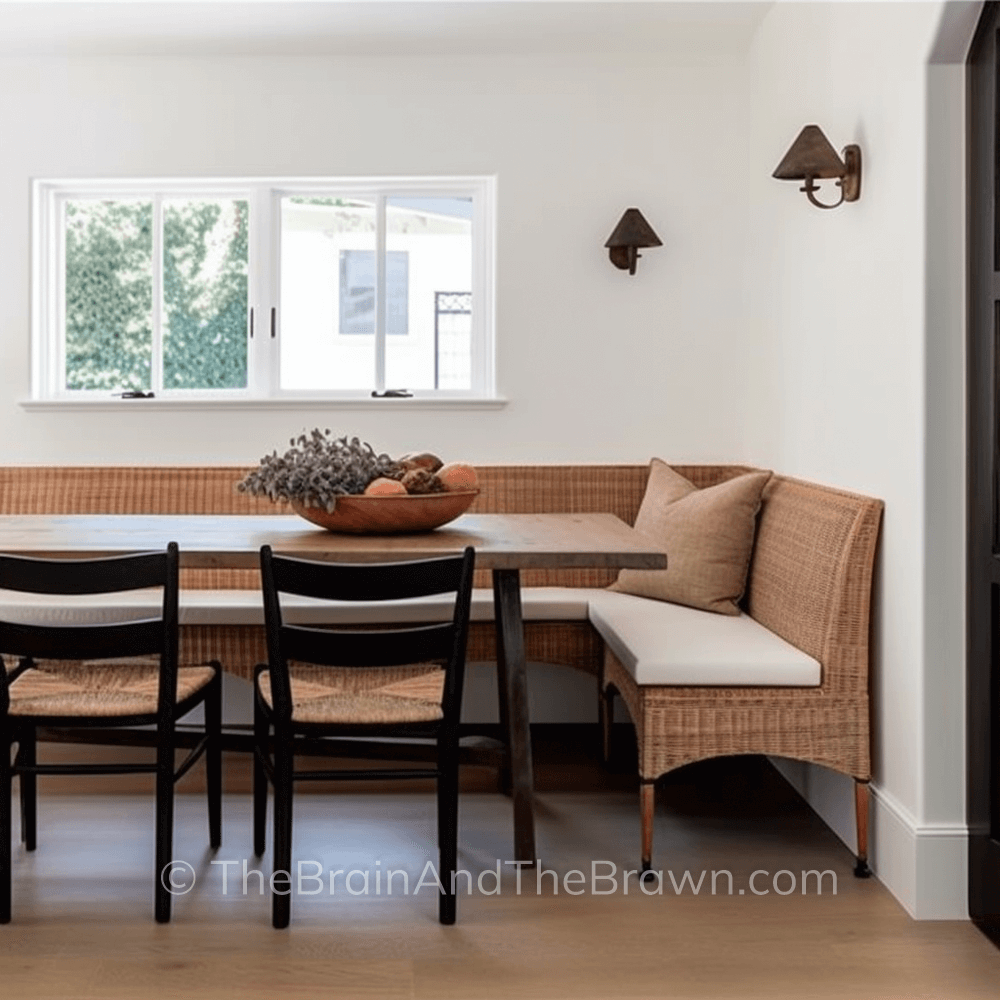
(83,924)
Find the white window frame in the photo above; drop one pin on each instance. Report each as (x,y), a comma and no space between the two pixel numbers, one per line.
(264,286)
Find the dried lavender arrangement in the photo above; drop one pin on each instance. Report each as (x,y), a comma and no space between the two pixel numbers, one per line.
(318,468)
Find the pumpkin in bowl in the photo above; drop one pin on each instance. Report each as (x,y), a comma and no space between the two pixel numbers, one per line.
(383,487)
(458,476)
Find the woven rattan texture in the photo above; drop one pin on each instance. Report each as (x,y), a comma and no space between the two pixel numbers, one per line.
(810,576)
(573,644)
(677,726)
(241,647)
(367,695)
(127,490)
(105,689)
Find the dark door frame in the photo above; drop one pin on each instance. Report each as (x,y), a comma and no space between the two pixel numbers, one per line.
(983,538)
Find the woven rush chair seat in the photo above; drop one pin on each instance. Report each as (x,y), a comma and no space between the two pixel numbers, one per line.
(361,695)
(98,688)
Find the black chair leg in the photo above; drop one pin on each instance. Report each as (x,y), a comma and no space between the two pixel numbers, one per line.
(282,900)
(605,711)
(213,760)
(5,817)
(164,825)
(261,731)
(28,787)
(448,833)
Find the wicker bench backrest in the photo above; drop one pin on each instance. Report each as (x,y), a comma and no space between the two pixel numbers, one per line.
(810,576)
(809,579)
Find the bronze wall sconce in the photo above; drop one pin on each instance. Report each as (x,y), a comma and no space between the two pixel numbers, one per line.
(632,232)
(812,156)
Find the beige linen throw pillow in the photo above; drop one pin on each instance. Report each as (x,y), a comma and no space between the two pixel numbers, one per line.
(707,535)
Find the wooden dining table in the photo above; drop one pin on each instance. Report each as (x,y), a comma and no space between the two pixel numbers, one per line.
(505,544)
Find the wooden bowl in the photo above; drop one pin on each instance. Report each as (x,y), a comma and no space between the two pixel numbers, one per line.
(389,515)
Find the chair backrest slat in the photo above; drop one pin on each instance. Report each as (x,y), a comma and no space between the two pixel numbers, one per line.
(374,648)
(366,581)
(83,576)
(83,642)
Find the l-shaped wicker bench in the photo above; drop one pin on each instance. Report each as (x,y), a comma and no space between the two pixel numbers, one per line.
(788,678)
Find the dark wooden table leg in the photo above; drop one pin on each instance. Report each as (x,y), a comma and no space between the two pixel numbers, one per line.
(504,784)
(513,679)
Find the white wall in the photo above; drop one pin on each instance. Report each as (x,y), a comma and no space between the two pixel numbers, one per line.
(597,365)
(858,320)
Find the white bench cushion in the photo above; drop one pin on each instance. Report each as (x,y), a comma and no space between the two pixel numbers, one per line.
(244,607)
(79,609)
(661,643)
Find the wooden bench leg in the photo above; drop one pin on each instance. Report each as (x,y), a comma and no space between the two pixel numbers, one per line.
(647,801)
(862,797)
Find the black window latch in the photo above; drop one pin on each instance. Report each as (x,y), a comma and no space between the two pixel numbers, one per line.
(392,394)
(136,394)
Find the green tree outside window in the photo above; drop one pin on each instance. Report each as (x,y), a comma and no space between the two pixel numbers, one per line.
(109,294)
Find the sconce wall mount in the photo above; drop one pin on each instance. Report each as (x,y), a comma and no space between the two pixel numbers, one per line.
(811,157)
(632,232)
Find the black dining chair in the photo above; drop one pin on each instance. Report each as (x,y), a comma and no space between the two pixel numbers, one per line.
(89,676)
(319,682)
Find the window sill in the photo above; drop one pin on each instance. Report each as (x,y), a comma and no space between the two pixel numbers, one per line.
(297,403)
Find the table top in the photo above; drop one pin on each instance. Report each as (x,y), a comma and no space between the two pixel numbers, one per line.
(502,541)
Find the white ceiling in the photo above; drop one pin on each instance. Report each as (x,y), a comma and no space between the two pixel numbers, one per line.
(372,26)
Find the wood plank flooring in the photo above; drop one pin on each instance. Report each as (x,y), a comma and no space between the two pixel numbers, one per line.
(83,924)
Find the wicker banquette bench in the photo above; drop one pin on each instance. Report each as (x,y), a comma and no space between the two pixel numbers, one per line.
(788,677)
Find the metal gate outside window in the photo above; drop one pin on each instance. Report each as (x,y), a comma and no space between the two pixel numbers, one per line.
(452,339)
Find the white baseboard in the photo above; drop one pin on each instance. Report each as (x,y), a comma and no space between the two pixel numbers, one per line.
(924,866)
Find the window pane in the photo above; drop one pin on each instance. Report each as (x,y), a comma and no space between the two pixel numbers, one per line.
(205,249)
(108,304)
(357,291)
(435,235)
(327,293)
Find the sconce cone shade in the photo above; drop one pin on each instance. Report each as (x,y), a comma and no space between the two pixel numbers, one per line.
(811,155)
(632,232)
